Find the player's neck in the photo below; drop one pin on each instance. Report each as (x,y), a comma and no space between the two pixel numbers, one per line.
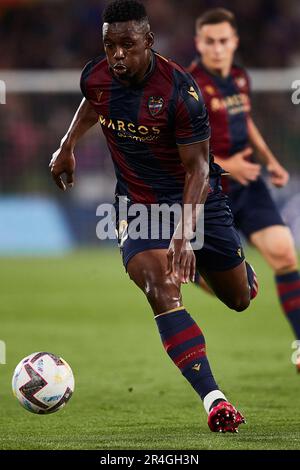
(223,72)
(146,69)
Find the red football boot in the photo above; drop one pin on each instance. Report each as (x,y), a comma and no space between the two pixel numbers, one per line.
(254,290)
(225,418)
(298,363)
(254,284)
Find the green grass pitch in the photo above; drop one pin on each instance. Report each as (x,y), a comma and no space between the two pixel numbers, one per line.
(128,393)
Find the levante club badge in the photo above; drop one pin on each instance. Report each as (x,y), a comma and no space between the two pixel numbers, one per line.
(155,105)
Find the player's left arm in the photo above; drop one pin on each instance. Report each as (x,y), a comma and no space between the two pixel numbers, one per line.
(279,176)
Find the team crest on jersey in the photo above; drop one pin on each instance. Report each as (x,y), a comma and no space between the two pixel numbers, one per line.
(155,105)
(241,82)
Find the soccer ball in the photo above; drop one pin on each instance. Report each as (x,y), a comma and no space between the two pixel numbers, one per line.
(43,383)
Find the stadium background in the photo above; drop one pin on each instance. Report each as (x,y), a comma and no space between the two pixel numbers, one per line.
(74,304)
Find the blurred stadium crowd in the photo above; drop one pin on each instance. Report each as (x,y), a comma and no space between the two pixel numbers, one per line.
(65,34)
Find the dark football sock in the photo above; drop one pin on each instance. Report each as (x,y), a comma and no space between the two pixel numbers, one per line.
(185,344)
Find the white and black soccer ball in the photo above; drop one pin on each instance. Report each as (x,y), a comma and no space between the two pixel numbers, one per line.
(43,383)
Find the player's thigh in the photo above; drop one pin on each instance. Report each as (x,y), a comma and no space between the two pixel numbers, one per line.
(221,259)
(148,270)
(277,246)
(221,263)
(230,286)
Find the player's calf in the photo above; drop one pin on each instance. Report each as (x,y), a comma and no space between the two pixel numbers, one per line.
(182,338)
(184,343)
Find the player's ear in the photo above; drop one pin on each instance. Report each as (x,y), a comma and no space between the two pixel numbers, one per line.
(197,41)
(237,41)
(149,40)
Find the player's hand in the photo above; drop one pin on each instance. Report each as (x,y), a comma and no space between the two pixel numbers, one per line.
(241,169)
(181,260)
(279,176)
(63,163)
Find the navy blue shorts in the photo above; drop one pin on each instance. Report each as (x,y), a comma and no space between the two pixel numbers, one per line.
(222,249)
(253,207)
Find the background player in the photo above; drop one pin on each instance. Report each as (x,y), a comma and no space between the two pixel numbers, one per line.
(158,135)
(225,88)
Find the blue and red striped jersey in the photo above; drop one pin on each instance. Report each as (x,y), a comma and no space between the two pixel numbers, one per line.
(228,104)
(145,123)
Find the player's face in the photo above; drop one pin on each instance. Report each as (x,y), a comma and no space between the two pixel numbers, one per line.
(217,44)
(127,46)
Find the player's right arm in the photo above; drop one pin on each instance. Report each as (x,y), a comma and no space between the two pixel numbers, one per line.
(192,133)
(238,164)
(63,160)
(239,167)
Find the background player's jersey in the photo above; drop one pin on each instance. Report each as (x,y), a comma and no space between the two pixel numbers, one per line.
(228,104)
(143,125)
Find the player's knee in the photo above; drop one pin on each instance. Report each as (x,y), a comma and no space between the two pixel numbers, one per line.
(239,303)
(288,262)
(162,295)
(283,257)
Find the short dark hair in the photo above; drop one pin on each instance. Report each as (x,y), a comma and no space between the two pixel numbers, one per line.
(124,10)
(215,16)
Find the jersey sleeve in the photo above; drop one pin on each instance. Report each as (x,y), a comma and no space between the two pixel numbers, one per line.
(83,79)
(191,116)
